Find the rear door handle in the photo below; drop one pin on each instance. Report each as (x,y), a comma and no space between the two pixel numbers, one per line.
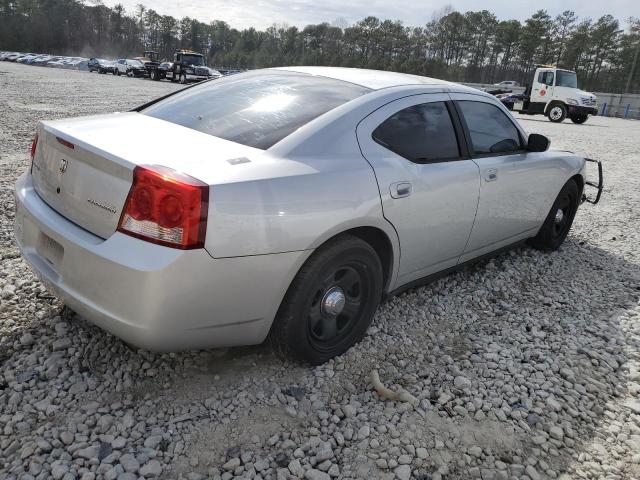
(400,189)
(490,174)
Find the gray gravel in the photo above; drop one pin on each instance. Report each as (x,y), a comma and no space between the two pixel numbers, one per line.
(526,366)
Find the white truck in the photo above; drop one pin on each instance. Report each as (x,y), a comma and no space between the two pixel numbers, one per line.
(554,92)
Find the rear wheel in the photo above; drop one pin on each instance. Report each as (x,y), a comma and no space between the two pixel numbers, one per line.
(183,78)
(579,119)
(557,113)
(153,75)
(559,220)
(330,303)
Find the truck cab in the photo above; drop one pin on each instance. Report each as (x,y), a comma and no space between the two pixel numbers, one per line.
(554,92)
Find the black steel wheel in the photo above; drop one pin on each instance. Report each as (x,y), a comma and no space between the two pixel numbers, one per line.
(579,119)
(330,303)
(559,220)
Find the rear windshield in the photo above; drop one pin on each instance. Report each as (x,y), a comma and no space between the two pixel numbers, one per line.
(257,109)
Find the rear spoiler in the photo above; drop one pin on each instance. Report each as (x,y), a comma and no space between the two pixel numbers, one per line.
(598,186)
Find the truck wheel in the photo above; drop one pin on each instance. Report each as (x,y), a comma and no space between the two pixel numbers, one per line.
(154,75)
(183,78)
(558,222)
(557,113)
(330,303)
(579,119)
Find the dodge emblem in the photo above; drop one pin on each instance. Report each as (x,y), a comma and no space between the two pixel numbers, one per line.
(63,165)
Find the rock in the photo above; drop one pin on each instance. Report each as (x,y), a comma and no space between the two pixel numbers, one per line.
(553,404)
(462,383)
(313,474)
(349,411)
(232,464)
(364,432)
(26,339)
(324,452)
(151,469)
(475,451)
(295,468)
(556,432)
(422,453)
(129,463)
(532,473)
(403,472)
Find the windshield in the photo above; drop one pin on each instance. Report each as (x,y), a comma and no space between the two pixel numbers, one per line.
(193,59)
(135,63)
(566,79)
(257,109)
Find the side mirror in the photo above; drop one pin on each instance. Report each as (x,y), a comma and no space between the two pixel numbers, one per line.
(537,143)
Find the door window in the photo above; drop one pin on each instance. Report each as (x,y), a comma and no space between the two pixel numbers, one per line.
(491,131)
(546,78)
(420,133)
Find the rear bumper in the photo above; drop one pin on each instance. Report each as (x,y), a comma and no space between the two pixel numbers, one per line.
(154,297)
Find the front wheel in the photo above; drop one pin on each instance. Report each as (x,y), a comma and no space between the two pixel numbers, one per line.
(559,220)
(557,113)
(183,78)
(579,119)
(330,303)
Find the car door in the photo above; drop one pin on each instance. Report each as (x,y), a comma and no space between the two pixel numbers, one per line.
(428,185)
(513,185)
(542,88)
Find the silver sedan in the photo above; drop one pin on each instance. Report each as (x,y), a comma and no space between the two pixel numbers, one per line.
(283,204)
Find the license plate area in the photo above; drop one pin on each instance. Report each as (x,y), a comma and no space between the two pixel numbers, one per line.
(50,250)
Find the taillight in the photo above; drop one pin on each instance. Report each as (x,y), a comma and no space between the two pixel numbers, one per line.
(166,207)
(34,145)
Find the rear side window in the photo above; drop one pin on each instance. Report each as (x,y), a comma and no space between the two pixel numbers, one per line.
(490,129)
(257,109)
(421,133)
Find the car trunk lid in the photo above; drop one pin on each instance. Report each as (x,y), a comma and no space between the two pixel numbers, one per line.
(83,167)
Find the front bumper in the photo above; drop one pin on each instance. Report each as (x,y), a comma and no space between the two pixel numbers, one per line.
(196,78)
(154,297)
(580,110)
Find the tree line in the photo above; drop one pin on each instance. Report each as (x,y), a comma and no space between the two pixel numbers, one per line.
(474,46)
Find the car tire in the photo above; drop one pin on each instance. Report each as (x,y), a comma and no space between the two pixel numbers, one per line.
(153,75)
(330,303)
(183,78)
(579,119)
(559,220)
(557,113)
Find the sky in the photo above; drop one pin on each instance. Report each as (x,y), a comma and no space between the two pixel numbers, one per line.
(264,13)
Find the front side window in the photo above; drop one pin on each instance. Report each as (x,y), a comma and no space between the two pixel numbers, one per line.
(490,129)
(546,78)
(567,79)
(421,133)
(257,109)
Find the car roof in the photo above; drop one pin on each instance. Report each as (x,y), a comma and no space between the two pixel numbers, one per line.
(373,79)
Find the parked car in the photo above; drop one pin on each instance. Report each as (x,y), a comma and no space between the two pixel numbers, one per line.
(508,99)
(56,62)
(508,83)
(288,221)
(132,68)
(42,60)
(100,65)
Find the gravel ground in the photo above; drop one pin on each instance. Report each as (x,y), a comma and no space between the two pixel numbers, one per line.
(527,366)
